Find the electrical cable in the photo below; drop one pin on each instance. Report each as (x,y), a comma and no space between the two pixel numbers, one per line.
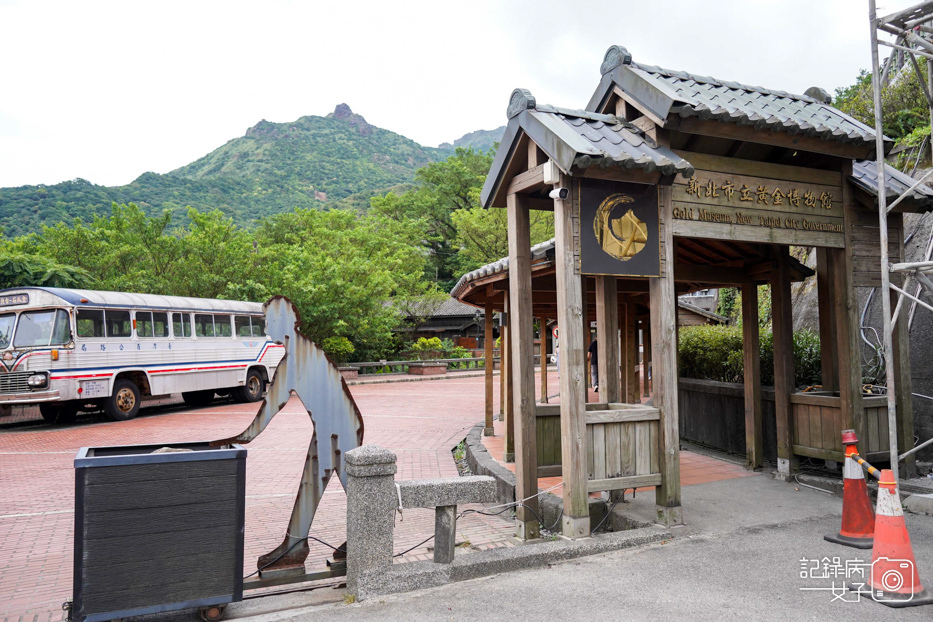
(288,550)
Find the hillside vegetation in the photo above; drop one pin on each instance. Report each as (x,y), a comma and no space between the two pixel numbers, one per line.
(335,161)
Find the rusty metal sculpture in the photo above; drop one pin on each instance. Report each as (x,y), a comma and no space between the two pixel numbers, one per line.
(307,372)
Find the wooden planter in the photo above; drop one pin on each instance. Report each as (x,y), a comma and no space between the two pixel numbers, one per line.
(157,532)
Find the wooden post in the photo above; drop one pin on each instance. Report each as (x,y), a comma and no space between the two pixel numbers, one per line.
(503,359)
(663,297)
(522,338)
(630,355)
(783,335)
(587,336)
(509,451)
(607,338)
(845,299)
(576,517)
(754,440)
(488,356)
(640,359)
(646,359)
(542,321)
(828,338)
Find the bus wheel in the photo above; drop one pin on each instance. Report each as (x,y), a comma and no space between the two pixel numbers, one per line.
(124,403)
(252,390)
(58,412)
(197,399)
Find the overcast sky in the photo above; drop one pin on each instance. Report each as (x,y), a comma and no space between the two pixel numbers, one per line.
(109,90)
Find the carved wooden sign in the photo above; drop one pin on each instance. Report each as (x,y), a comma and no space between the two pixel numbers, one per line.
(619,228)
(736,199)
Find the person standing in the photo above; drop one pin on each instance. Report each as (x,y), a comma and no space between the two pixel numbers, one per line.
(593,356)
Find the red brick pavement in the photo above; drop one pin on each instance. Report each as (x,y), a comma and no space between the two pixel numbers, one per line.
(420,421)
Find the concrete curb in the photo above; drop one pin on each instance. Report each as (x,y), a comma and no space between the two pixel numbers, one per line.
(420,575)
(405,378)
(550,506)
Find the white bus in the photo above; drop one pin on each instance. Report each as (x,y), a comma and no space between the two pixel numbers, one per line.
(69,350)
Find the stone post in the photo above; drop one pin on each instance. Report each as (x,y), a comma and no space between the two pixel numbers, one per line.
(371,503)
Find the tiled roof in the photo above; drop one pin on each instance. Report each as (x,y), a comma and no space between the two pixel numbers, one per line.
(451,307)
(667,92)
(576,138)
(865,176)
(611,141)
(538,251)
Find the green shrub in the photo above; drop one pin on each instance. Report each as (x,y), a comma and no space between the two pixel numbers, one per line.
(339,349)
(715,353)
(426,348)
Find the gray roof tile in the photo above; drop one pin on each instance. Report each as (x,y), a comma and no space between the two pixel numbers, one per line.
(709,98)
(865,176)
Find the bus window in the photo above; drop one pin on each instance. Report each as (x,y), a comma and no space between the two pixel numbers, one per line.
(160,324)
(203,325)
(143,324)
(259,327)
(241,322)
(6,328)
(181,324)
(41,328)
(118,323)
(90,323)
(61,333)
(222,326)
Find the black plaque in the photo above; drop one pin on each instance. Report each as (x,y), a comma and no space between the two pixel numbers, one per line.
(619,228)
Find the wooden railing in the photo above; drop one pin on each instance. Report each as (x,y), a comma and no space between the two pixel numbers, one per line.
(621,445)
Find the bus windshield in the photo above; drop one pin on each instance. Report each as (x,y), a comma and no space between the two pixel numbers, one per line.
(48,327)
(6,329)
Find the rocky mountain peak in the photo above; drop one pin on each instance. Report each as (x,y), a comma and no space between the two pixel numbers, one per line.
(343,113)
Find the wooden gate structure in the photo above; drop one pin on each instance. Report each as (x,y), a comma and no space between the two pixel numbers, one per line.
(740,174)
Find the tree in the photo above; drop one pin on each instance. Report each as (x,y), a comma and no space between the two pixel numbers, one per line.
(442,188)
(903,105)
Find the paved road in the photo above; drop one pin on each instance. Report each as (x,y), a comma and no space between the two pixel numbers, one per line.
(420,421)
(738,559)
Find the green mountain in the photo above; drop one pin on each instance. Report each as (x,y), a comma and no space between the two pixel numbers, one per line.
(480,140)
(335,161)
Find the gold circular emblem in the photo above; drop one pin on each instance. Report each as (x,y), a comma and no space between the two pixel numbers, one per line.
(623,237)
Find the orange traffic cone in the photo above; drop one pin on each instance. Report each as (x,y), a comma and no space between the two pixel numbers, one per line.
(858,519)
(894,579)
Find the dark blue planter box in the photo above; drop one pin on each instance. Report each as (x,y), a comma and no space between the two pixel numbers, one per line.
(157,532)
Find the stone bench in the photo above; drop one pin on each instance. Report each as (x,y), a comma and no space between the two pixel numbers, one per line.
(445,495)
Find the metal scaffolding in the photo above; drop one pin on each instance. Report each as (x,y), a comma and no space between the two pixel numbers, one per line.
(912,33)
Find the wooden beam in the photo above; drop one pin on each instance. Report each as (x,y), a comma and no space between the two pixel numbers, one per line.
(607,338)
(576,517)
(617,173)
(532,178)
(664,357)
(751,350)
(542,321)
(523,370)
(801,142)
(488,343)
(783,333)
(827,319)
